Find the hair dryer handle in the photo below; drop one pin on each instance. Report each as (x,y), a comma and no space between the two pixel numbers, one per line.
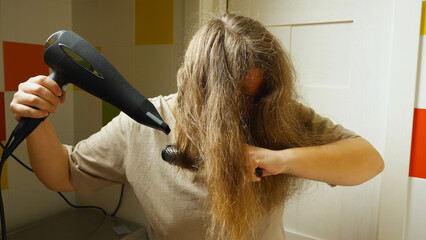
(22,130)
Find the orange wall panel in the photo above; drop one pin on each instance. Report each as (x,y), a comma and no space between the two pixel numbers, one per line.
(2,118)
(22,61)
(418,143)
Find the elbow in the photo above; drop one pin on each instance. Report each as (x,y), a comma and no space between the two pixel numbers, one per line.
(381,165)
(373,163)
(58,185)
(376,162)
(57,188)
(369,165)
(372,167)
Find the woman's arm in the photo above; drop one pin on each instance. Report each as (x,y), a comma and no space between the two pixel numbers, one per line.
(345,162)
(49,158)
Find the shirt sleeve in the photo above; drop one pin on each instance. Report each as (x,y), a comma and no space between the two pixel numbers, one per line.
(99,161)
(322,125)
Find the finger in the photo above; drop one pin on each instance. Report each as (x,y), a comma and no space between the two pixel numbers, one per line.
(254,178)
(20,111)
(63,97)
(40,91)
(47,83)
(34,101)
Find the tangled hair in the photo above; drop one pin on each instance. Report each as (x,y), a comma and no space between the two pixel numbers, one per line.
(212,132)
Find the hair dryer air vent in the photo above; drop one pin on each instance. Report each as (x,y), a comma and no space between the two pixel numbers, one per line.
(52,39)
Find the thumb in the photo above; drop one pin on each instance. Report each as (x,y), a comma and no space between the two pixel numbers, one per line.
(63,96)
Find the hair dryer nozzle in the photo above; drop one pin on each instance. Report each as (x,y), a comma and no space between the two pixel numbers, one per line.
(147,114)
(162,125)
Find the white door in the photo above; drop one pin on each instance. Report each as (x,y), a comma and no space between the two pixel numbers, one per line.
(344,53)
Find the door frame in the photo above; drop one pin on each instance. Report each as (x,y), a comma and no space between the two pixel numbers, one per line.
(404,26)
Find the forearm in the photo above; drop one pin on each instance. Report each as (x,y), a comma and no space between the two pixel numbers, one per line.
(346,162)
(49,158)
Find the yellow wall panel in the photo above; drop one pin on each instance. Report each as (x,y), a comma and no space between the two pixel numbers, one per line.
(422,23)
(153,22)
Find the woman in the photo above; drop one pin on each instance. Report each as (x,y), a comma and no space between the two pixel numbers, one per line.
(236,110)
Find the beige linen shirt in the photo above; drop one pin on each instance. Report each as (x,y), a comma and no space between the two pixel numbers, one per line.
(125,151)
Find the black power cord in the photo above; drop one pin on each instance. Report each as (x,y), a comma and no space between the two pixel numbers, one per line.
(2,216)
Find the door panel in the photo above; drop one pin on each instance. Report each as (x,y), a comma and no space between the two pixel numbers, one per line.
(283,33)
(291,12)
(323,52)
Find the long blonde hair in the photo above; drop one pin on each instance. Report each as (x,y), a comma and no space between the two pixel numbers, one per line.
(212,132)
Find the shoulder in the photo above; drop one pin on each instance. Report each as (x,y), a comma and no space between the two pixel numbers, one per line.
(126,125)
(168,99)
(305,113)
(164,103)
(322,125)
(164,106)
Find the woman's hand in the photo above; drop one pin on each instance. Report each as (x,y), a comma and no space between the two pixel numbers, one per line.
(270,161)
(36,98)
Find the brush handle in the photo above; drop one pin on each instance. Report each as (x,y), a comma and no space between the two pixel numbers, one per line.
(258,172)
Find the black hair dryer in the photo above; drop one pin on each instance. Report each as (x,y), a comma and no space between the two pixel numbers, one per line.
(74,60)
